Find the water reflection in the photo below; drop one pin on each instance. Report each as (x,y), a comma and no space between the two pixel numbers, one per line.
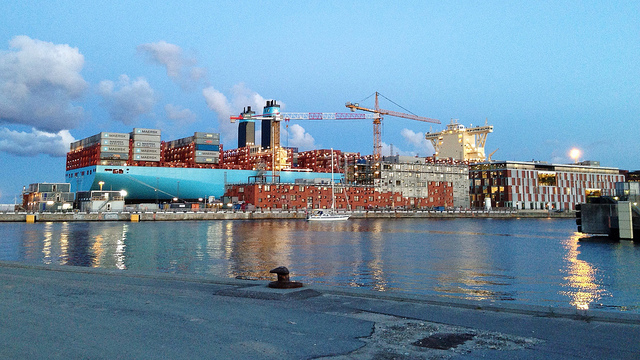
(532,261)
(583,287)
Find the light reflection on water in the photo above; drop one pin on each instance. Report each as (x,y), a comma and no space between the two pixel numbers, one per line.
(534,261)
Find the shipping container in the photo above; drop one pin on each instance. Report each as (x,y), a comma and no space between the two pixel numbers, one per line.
(141,131)
(143,157)
(206,160)
(153,138)
(117,142)
(206,135)
(206,141)
(114,156)
(208,147)
(146,151)
(147,144)
(207,153)
(114,149)
(113,162)
(110,135)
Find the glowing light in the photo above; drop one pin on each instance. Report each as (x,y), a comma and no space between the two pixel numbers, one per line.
(123,193)
(575,154)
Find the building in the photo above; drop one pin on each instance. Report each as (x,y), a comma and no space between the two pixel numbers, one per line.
(418,177)
(100,201)
(538,185)
(317,195)
(48,197)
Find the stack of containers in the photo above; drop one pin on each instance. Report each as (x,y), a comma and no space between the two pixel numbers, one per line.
(146,147)
(200,150)
(207,148)
(105,148)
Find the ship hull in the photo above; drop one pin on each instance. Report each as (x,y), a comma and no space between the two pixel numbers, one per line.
(165,183)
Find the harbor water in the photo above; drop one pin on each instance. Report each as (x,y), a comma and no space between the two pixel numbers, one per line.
(526,261)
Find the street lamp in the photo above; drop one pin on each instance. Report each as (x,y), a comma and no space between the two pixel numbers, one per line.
(101,183)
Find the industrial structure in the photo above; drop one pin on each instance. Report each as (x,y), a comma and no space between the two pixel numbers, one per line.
(416,178)
(460,143)
(47,197)
(539,185)
(377,122)
(269,175)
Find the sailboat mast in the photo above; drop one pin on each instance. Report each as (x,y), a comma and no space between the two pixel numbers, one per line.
(333,196)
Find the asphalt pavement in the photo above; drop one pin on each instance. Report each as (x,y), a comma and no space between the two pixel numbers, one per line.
(63,312)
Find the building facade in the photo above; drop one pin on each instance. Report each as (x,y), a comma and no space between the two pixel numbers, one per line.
(314,195)
(538,185)
(48,197)
(416,177)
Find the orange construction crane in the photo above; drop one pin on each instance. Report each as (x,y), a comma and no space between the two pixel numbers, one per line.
(377,121)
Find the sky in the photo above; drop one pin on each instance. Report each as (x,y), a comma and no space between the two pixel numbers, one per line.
(548,75)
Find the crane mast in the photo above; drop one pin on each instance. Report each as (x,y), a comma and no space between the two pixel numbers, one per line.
(377,122)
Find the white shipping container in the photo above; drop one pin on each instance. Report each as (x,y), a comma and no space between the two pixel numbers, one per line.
(208,153)
(143,157)
(206,160)
(147,144)
(113,162)
(154,138)
(117,142)
(110,135)
(141,131)
(114,156)
(115,149)
(146,151)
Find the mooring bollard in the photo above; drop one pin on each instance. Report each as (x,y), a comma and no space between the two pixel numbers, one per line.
(283,279)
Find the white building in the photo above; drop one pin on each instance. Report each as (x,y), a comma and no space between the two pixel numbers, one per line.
(101,201)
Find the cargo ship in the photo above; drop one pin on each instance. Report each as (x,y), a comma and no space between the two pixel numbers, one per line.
(150,169)
(145,183)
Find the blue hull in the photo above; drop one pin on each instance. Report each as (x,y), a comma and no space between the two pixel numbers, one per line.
(164,183)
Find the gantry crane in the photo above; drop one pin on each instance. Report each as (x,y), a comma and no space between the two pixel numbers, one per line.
(377,122)
(272,113)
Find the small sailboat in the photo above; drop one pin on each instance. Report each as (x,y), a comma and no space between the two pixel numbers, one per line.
(328,214)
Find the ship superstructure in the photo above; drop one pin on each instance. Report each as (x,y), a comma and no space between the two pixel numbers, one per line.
(460,143)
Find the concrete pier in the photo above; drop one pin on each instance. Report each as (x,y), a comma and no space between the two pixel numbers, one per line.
(266,214)
(61,312)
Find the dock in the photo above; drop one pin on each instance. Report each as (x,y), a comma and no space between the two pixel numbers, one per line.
(65,312)
(265,214)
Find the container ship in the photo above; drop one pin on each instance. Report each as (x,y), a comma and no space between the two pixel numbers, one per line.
(190,168)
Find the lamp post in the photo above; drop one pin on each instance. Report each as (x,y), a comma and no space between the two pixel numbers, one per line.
(101,183)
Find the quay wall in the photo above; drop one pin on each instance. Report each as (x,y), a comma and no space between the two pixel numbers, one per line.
(265,214)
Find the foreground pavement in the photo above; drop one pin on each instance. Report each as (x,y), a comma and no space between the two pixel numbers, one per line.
(82,313)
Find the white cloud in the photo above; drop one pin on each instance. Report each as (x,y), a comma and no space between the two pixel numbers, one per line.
(179,115)
(38,82)
(299,138)
(181,69)
(35,143)
(420,145)
(129,101)
(241,97)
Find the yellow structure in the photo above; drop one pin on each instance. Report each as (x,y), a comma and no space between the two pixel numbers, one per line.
(460,143)
(135,217)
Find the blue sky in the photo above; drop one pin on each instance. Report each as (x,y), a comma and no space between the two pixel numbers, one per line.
(548,76)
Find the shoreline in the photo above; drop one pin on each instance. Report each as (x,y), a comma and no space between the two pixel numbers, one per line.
(270,215)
